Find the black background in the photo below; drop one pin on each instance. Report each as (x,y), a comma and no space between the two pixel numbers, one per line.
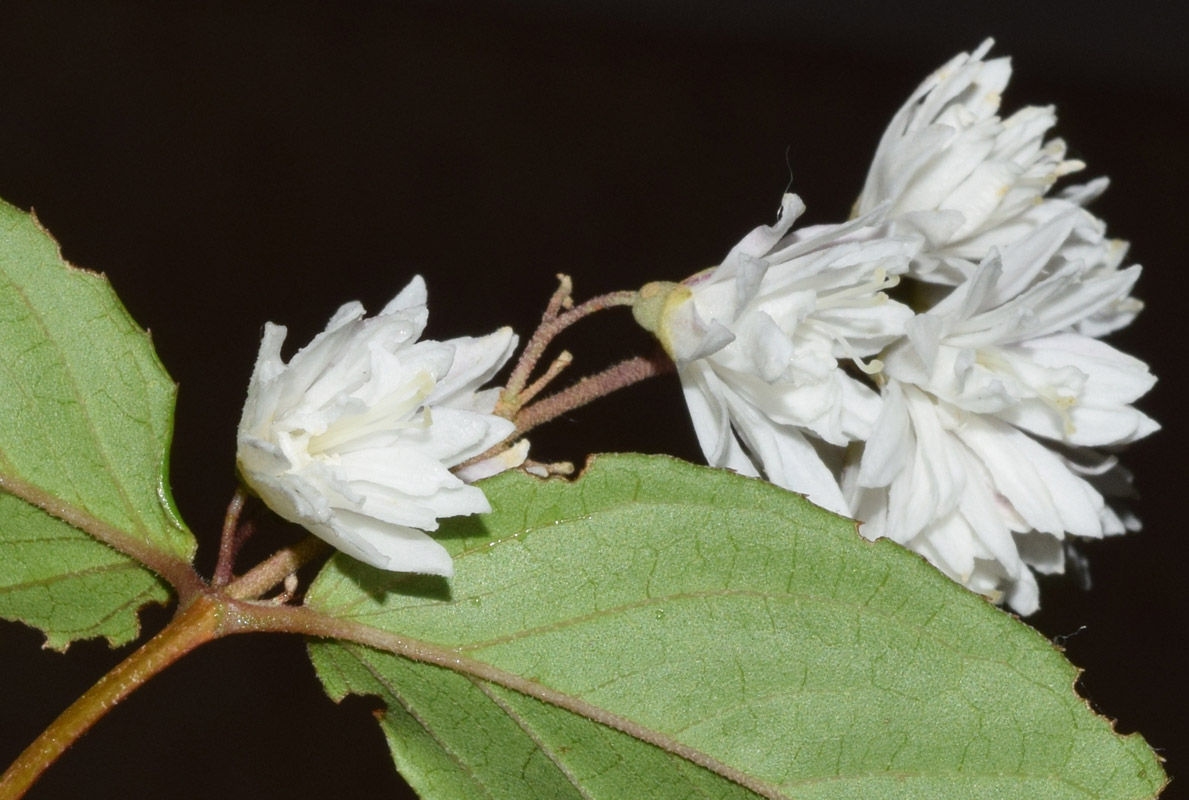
(249,162)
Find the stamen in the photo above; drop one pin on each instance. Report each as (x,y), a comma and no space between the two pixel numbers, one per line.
(872,367)
(870,293)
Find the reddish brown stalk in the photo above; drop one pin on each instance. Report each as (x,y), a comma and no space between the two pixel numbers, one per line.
(532,390)
(199,620)
(194,625)
(562,298)
(230,540)
(280,565)
(592,387)
(553,322)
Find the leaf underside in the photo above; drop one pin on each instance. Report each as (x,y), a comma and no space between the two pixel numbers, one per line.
(452,736)
(86,415)
(723,618)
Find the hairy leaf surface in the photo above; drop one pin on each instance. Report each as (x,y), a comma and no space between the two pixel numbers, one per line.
(86,415)
(729,628)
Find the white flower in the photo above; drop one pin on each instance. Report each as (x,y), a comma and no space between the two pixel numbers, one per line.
(354,438)
(1103,257)
(980,459)
(758,341)
(949,168)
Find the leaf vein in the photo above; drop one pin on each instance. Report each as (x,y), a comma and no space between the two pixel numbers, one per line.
(117,566)
(399,698)
(521,723)
(85,411)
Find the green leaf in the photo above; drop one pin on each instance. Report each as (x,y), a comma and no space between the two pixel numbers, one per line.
(453,736)
(720,619)
(86,414)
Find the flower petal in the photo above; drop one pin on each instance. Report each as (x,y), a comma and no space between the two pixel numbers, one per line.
(354,437)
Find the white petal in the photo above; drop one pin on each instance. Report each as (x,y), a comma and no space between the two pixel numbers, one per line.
(762,239)
(347,439)
(1045,554)
(1024,594)
(1102,414)
(389,547)
(886,452)
(476,361)
(411,297)
(1035,480)
(788,459)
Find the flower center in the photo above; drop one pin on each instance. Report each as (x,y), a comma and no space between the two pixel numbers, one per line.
(391,413)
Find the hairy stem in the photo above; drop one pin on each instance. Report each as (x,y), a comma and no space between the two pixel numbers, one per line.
(279,566)
(559,364)
(586,390)
(194,625)
(201,618)
(230,540)
(623,374)
(552,323)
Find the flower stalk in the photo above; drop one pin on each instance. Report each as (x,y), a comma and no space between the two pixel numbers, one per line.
(592,387)
(553,322)
(274,570)
(231,605)
(230,540)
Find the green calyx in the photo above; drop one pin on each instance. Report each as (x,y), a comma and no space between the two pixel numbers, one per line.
(653,305)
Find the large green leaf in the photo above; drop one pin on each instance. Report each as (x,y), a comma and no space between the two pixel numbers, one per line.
(86,414)
(721,619)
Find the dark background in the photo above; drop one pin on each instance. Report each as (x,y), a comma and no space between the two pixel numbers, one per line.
(261,161)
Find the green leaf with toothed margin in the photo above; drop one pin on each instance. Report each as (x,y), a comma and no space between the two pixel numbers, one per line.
(86,415)
(656,629)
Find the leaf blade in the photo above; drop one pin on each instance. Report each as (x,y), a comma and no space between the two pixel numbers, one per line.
(67,584)
(529,749)
(758,632)
(86,415)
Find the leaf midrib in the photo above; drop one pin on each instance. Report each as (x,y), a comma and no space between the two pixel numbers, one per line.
(483,671)
(144,552)
(523,533)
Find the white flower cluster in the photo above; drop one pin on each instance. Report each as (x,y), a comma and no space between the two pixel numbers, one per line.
(973,426)
(356,437)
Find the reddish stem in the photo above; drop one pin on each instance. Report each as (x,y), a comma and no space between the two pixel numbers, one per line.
(280,565)
(230,540)
(194,625)
(551,325)
(204,619)
(592,387)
